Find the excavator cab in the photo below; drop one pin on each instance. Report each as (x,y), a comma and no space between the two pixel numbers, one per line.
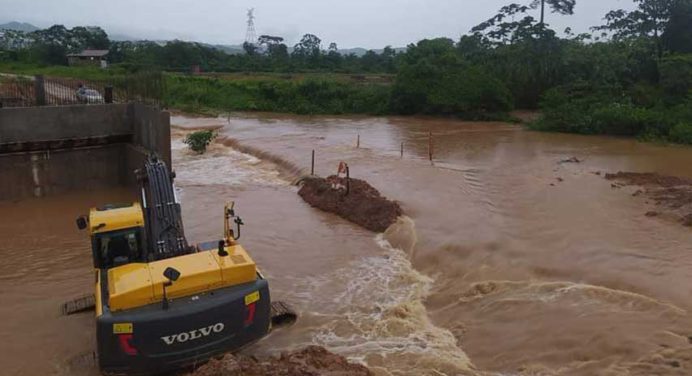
(116,233)
(117,248)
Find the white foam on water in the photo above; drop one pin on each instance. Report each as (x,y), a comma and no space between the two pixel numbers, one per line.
(221,165)
(380,319)
(490,294)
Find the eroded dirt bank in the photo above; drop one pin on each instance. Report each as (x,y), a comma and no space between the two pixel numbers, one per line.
(310,361)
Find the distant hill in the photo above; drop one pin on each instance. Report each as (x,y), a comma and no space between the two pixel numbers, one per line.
(18,26)
(238,49)
(358,51)
(121,37)
(229,49)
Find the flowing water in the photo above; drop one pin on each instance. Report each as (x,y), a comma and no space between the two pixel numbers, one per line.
(509,262)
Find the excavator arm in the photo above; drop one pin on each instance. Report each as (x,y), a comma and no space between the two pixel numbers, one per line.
(164,235)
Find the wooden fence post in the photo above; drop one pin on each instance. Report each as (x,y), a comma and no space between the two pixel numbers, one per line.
(312,168)
(348,181)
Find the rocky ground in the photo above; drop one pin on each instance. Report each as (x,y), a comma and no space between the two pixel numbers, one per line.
(673,195)
(310,361)
(356,201)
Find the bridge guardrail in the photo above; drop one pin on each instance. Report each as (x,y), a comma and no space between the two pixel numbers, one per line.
(30,91)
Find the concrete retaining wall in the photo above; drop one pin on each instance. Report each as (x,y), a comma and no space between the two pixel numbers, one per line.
(33,124)
(50,172)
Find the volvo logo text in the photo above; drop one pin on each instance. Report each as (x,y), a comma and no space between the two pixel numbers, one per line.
(193,334)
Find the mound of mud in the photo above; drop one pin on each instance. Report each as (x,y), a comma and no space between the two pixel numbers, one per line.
(362,204)
(672,193)
(312,360)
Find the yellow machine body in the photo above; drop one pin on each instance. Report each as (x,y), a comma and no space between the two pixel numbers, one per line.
(119,218)
(138,284)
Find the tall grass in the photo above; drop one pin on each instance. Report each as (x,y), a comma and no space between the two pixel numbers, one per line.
(83,72)
(309,96)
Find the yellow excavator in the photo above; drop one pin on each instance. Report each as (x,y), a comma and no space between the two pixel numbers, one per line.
(162,304)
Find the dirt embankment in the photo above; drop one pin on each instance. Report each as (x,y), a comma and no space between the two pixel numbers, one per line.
(311,361)
(356,201)
(672,194)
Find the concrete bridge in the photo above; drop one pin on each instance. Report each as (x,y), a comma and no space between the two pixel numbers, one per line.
(53,150)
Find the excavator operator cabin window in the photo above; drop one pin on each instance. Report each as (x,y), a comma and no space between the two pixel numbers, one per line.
(118,247)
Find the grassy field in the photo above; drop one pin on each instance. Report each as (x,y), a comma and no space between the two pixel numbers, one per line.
(98,73)
(212,93)
(260,92)
(87,73)
(297,77)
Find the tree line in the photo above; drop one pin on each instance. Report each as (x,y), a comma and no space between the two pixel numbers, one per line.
(270,54)
(632,75)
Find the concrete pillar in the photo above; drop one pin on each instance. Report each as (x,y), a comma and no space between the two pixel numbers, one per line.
(40,90)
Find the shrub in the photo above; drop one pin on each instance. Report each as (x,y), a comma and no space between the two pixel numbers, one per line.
(448,87)
(583,108)
(625,120)
(198,141)
(682,133)
(310,96)
(676,77)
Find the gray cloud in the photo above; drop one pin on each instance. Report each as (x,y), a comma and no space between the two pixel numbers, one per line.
(350,23)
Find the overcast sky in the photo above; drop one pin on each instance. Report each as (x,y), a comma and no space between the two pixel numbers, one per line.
(349,23)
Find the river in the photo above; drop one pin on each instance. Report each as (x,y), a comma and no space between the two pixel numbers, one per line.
(511,262)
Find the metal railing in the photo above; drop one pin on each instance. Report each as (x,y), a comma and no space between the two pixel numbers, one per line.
(27,91)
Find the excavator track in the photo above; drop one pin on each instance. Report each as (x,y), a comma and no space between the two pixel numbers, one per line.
(78,305)
(282,315)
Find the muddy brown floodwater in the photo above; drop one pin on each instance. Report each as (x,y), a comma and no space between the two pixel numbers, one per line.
(511,263)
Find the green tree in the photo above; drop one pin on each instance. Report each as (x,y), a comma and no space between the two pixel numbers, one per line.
(275,49)
(309,45)
(90,37)
(527,55)
(250,49)
(505,28)
(677,36)
(333,58)
(650,19)
(433,79)
(308,50)
(565,7)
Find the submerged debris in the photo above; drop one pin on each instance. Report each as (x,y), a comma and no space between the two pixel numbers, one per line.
(356,201)
(687,220)
(670,192)
(310,361)
(648,178)
(571,160)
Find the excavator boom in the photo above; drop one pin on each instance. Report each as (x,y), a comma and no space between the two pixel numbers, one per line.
(164,236)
